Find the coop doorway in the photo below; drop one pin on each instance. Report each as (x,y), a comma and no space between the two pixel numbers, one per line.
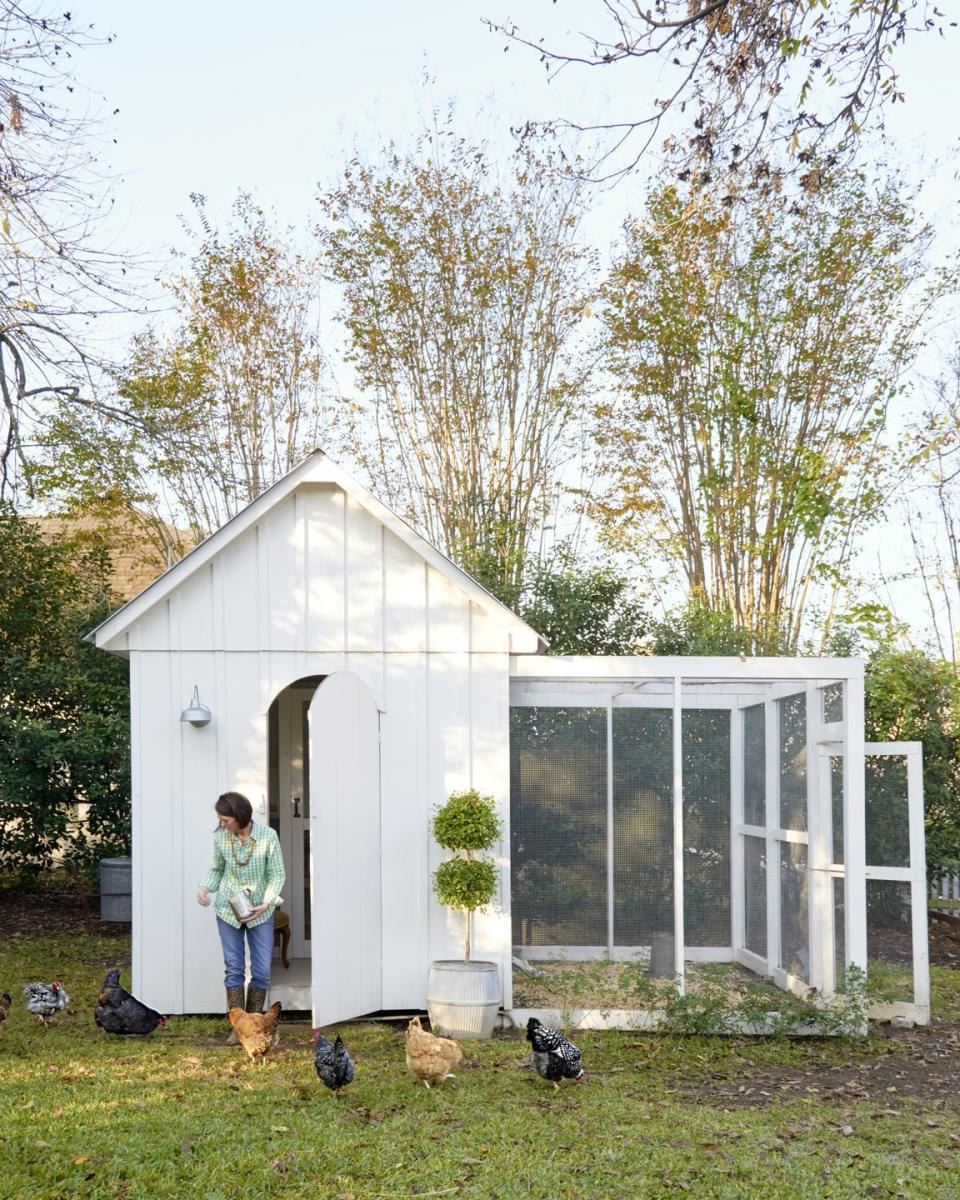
(292,819)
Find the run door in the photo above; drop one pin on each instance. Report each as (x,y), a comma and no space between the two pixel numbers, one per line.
(898,962)
(345,850)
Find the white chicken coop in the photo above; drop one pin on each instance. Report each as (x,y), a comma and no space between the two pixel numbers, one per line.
(354,677)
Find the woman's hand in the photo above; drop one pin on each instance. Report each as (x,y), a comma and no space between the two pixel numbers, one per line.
(203,896)
(255,912)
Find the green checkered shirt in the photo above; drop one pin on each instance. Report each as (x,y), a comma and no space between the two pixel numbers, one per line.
(262,877)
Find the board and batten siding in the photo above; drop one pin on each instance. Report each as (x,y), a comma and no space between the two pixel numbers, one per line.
(318,585)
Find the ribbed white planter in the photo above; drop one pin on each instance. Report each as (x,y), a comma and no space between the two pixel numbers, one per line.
(463,998)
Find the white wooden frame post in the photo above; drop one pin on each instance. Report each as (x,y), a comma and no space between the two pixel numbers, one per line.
(819,879)
(610,897)
(679,938)
(738,931)
(771,741)
(854,824)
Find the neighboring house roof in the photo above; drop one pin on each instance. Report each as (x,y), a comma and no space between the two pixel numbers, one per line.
(316,468)
(136,559)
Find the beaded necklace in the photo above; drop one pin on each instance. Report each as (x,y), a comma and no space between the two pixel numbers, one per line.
(238,861)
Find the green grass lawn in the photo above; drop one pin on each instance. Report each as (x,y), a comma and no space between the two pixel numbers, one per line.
(181,1115)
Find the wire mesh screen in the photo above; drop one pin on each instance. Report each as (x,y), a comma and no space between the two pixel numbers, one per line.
(755,895)
(832,702)
(558,826)
(706,826)
(794,924)
(836,806)
(642,824)
(887,812)
(792,723)
(889,940)
(839,933)
(754,765)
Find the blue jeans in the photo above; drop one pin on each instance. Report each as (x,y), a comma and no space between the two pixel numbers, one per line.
(260,938)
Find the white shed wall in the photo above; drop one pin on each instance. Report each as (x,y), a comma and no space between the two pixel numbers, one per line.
(319,585)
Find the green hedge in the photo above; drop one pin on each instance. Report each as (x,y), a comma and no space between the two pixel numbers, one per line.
(64,706)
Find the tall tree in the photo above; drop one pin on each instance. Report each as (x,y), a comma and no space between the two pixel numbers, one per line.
(216,409)
(808,74)
(758,344)
(583,607)
(462,298)
(56,275)
(931,509)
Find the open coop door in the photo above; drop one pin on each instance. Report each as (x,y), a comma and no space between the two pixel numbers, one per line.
(345,850)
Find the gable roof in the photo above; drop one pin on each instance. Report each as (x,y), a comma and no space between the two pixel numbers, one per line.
(317,467)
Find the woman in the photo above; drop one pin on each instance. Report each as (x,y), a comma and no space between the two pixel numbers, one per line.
(247,858)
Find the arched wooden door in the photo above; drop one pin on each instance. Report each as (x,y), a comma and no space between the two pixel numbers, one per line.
(345,850)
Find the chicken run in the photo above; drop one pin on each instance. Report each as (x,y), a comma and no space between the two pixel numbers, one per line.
(723,829)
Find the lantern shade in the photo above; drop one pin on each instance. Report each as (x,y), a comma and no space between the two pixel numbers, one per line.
(196,714)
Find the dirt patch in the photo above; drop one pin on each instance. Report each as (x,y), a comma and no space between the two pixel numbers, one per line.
(610,985)
(908,1064)
(28,914)
(944,935)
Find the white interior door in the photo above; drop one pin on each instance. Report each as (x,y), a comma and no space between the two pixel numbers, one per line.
(344,760)
(294,813)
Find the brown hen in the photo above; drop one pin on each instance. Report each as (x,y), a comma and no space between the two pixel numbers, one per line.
(5,1002)
(256,1032)
(430,1058)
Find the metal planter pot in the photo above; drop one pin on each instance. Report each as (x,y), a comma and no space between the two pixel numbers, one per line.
(463,998)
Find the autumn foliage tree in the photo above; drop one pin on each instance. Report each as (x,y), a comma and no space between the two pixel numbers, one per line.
(462,300)
(216,405)
(728,76)
(758,344)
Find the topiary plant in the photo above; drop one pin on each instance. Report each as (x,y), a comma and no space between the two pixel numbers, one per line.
(467,823)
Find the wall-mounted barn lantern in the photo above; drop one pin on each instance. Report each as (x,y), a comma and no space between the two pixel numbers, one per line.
(196,714)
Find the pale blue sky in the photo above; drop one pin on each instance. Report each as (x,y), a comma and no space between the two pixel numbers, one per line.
(216,96)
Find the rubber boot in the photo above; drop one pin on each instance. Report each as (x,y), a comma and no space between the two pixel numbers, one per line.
(256,998)
(234,1000)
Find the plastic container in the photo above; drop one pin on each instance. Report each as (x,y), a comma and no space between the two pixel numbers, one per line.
(463,998)
(115,889)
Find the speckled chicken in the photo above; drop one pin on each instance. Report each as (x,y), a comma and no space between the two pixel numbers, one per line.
(431,1058)
(5,1001)
(45,1000)
(554,1058)
(256,1032)
(333,1064)
(119,1012)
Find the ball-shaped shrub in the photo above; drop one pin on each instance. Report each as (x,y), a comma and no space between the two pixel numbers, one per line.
(465,884)
(468,821)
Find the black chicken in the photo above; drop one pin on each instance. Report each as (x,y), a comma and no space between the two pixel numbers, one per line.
(554,1058)
(119,1012)
(334,1065)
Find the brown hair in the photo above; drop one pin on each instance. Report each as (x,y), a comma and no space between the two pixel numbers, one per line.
(232,804)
